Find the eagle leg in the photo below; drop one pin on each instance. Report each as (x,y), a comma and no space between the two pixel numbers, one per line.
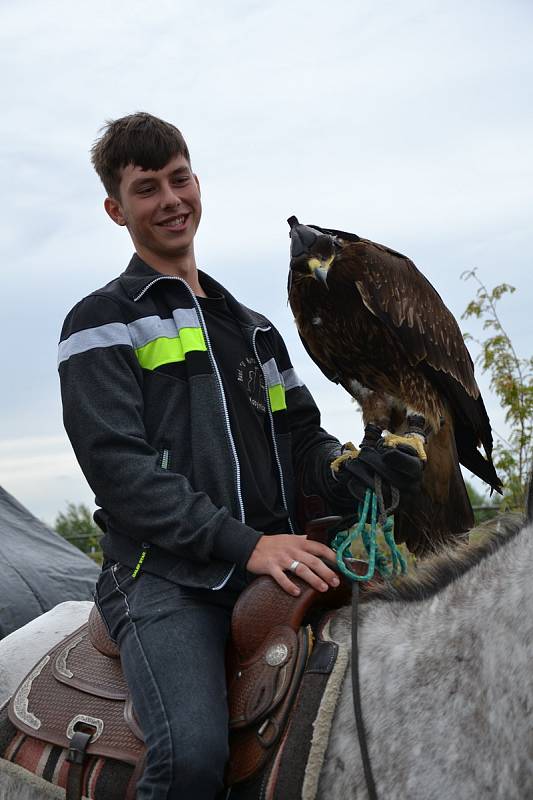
(349,451)
(414,437)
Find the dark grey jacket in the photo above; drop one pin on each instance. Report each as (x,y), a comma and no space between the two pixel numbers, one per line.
(145,410)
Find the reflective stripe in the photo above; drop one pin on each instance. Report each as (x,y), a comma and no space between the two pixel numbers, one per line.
(186,318)
(276,389)
(161,351)
(276,395)
(273,378)
(156,341)
(110,335)
(192,339)
(167,351)
(147,329)
(291,379)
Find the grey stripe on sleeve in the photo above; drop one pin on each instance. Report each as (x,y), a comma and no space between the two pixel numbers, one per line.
(291,379)
(148,329)
(273,378)
(102,336)
(186,318)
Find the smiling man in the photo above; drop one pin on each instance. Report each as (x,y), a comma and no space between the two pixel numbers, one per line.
(162,230)
(193,429)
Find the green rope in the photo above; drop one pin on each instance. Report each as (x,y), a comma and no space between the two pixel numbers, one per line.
(368,533)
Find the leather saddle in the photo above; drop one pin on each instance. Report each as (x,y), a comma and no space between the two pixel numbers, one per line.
(76,696)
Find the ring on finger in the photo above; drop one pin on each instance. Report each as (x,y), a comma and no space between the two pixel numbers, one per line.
(294,566)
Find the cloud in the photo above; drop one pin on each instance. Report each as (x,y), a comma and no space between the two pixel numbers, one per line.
(43,474)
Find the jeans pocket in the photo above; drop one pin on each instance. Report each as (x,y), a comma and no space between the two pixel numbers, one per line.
(113,579)
(122,575)
(111,597)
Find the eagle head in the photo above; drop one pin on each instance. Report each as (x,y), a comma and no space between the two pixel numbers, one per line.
(312,251)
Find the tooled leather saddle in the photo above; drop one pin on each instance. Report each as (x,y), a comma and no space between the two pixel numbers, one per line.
(76,697)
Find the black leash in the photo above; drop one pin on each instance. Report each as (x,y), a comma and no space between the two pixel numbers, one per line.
(356,689)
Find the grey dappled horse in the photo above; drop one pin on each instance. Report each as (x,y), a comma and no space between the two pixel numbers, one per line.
(446,679)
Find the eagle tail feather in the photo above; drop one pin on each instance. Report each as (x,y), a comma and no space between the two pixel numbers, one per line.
(474,461)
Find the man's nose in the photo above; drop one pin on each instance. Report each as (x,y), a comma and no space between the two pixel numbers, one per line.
(169,196)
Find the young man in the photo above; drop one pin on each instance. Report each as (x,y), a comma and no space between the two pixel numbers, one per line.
(193,430)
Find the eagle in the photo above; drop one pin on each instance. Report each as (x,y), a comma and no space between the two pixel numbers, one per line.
(375,325)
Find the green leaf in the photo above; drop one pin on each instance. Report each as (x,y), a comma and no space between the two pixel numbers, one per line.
(511,379)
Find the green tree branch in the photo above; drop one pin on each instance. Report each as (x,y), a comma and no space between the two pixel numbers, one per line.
(511,379)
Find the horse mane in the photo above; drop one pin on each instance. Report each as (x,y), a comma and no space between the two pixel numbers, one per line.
(438,571)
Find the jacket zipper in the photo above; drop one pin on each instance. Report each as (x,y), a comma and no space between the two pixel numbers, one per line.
(236,464)
(162,278)
(226,413)
(272,430)
(164,459)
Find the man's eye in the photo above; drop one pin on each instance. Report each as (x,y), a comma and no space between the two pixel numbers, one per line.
(180,181)
(144,189)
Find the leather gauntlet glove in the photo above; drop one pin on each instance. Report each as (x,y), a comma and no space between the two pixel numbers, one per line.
(398,467)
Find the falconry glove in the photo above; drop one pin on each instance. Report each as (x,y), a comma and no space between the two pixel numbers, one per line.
(398,467)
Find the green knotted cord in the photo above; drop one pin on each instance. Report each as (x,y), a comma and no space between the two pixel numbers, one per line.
(368,533)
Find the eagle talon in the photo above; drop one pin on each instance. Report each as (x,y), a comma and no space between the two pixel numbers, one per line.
(349,451)
(414,440)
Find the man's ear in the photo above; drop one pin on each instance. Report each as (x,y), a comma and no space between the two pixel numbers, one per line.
(197,183)
(114,209)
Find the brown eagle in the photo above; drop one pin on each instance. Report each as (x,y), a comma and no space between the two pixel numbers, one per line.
(373,323)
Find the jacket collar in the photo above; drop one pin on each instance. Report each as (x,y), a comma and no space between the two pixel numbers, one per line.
(138,275)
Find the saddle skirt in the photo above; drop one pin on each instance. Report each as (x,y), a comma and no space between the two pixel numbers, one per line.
(76,686)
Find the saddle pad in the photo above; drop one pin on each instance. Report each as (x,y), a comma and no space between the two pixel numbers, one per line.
(296,769)
(30,768)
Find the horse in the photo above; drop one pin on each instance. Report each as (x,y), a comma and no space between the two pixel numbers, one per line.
(445,675)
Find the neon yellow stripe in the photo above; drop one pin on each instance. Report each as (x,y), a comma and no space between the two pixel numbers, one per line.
(167,351)
(192,339)
(276,395)
(160,351)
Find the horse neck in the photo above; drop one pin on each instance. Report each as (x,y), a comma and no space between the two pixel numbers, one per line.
(500,571)
(495,577)
(431,670)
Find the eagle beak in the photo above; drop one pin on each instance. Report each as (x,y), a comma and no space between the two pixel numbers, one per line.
(319,269)
(321,275)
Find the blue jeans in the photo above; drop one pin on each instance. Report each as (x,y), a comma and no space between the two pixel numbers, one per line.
(172,642)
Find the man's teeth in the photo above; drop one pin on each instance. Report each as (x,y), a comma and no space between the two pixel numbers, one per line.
(176,221)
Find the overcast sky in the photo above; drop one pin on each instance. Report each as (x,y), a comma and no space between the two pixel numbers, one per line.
(409,123)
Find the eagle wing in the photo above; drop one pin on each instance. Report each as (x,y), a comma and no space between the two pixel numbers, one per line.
(396,292)
(327,368)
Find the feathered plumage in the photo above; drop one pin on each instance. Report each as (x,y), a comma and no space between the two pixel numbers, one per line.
(373,323)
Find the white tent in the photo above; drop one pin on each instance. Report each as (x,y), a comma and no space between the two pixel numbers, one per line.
(38,568)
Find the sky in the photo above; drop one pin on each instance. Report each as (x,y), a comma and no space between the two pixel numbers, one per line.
(407,123)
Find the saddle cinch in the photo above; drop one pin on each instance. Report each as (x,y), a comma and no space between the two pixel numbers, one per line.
(77,700)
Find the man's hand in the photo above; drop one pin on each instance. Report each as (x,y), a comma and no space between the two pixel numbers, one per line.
(274,554)
(397,466)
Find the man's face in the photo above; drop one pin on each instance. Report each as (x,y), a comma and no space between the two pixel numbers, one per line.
(160,208)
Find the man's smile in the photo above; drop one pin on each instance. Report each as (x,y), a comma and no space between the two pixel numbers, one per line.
(178,222)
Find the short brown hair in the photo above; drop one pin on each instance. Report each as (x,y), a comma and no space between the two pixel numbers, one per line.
(140,139)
